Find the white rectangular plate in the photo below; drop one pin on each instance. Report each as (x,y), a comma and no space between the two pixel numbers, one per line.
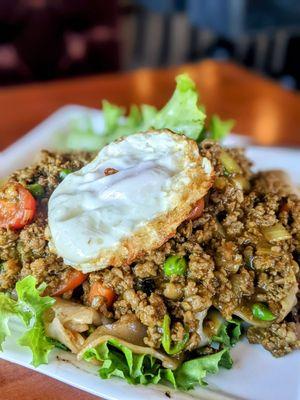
(256,375)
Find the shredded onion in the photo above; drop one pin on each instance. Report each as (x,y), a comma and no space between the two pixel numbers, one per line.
(276,233)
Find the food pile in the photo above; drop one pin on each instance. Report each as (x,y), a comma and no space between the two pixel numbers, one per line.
(221,261)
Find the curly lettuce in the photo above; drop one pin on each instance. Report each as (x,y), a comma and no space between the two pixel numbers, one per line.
(218,129)
(29,309)
(8,309)
(182,114)
(229,333)
(118,360)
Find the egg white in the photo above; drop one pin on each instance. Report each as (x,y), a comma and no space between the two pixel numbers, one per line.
(98,220)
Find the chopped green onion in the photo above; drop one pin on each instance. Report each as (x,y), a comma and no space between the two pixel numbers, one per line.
(229,163)
(166,338)
(276,233)
(175,265)
(36,189)
(262,312)
(64,172)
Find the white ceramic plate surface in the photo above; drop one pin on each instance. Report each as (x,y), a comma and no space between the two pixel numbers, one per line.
(256,375)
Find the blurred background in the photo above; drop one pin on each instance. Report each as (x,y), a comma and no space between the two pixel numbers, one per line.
(51,39)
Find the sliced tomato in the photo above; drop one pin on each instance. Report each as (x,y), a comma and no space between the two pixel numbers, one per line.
(17,206)
(196,211)
(72,280)
(98,289)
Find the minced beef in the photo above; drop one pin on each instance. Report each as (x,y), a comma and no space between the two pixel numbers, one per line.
(279,339)
(229,261)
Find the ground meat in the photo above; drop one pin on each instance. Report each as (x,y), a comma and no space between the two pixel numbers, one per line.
(8,244)
(145,270)
(9,271)
(46,171)
(279,339)
(32,242)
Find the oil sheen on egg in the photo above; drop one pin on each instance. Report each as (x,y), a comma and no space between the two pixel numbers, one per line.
(128,201)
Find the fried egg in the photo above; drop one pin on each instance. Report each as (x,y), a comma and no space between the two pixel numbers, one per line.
(128,201)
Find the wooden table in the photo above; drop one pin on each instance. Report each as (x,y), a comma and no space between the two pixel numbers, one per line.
(262,109)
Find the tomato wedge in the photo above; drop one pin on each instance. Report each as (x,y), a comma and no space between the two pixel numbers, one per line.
(17,206)
(98,289)
(196,211)
(72,280)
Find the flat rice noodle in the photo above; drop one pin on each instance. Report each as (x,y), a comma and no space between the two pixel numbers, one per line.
(130,332)
(66,320)
(55,330)
(73,313)
(288,302)
(204,339)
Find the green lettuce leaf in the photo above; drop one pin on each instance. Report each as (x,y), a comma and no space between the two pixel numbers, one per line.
(8,309)
(229,333)
(218,129)
(118,360)
(111,116)
(29,308)
(181,114)
(81,136)
(194,371)
(39,344)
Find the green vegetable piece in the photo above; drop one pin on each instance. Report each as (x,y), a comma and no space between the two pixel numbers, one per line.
(229,163)
(118,360)
(111,115)
(175,265)
(219,129)
(33,305)
(229,333)
(58,344)
(262,312)
(8,308)
(276,233)
(30,308)
(65,172)
(166,338)
(181,114)
(81,136)
(194,371)
(36,189)
(36,339)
